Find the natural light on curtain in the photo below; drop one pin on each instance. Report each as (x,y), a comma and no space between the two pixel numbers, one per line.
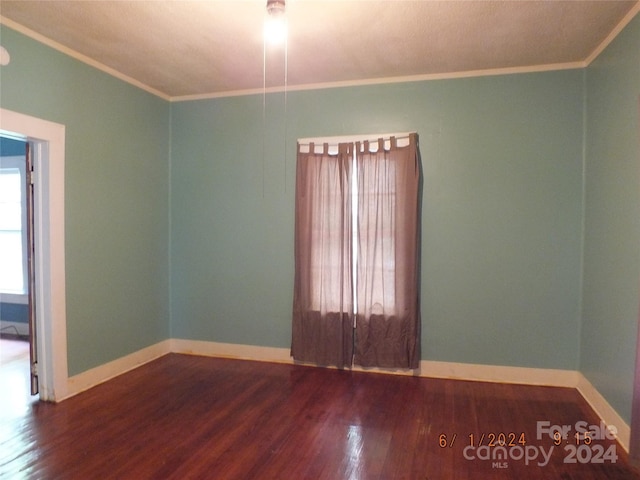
(356,241)
(323,300)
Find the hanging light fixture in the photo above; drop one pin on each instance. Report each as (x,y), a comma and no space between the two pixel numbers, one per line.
(275,34)
(275,7)
(275,25)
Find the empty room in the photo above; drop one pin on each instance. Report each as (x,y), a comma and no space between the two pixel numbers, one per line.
(307,239)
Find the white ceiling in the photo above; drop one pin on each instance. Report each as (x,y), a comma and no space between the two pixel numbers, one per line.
(182,49)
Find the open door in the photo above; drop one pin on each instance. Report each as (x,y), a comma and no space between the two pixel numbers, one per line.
(33,351)
(634,441)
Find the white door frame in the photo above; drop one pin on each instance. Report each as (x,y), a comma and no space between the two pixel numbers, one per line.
(48,139)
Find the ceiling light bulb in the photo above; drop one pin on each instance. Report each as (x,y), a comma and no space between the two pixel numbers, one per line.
(275,30)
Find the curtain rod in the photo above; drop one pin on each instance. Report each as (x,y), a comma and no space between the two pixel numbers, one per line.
(334,141)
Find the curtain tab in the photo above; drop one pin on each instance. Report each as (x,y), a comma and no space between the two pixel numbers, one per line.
(415,152)
(413,140)
(380,145)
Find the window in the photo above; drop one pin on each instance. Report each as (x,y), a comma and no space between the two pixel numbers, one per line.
(356,254)
(13,242)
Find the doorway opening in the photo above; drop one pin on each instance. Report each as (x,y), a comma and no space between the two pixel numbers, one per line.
(18,352)
(47,141)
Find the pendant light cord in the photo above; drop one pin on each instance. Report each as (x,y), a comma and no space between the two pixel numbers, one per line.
(264,107)
(286,82)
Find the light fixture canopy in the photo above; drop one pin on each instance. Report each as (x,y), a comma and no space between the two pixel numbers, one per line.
(275,7)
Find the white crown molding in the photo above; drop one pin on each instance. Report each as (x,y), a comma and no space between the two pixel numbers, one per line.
(386,80)
(80,57)
(614,33)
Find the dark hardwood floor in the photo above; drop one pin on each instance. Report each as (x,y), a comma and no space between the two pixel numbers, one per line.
(188,417)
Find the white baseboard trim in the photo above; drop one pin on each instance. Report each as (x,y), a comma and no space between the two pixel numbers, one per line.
(428,368)
(95,376)
(604,410)
(17,328)
(231,350)
(499,374)
(460,371)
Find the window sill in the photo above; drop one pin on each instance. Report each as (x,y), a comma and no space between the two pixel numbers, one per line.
(15,298)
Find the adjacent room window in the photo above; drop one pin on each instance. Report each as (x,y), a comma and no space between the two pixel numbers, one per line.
(356,254)
(13,275)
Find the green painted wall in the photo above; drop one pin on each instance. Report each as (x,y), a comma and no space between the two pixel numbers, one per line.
(502,209)
(501,219)
(612,220)
(116,197)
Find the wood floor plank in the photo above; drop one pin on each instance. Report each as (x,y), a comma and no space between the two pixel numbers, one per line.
(187,417)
